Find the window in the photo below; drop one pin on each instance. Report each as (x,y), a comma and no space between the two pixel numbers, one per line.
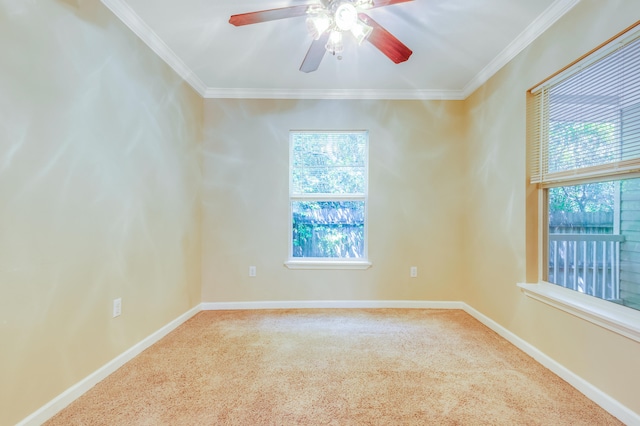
(585,160)
(328,177)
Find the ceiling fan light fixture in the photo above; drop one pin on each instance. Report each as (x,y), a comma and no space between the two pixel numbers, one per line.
(317,25)
(346,16)
(363,4)
(361,31)
(335,45)
(327,21)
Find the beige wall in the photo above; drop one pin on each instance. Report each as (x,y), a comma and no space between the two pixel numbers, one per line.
(100,185)
(497,191)
(447,193)
(416,184)
(99,196)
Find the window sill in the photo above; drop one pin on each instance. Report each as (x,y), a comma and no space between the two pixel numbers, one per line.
(327,264)
(619,319)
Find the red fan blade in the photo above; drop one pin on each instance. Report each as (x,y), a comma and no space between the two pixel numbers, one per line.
(381,3)
(385,42)
(315,54)
(269,15)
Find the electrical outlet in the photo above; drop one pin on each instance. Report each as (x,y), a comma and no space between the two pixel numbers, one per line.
(414,271)
(117,307)
(252,271)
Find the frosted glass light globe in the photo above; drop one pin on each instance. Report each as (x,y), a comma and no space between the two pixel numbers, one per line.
(346,16)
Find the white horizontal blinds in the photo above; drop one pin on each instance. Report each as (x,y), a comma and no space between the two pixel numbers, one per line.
(537,129)
(587,124)
(328,163)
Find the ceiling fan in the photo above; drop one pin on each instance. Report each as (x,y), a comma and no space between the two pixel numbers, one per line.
(327,23)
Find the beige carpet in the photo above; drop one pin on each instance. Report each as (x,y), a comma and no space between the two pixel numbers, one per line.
(333,367)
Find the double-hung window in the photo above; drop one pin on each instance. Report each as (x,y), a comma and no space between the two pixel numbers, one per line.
(328,179)
(585,152)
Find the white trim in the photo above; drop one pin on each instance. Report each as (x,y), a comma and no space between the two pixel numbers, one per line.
(132,20)
(296,196)
(61,401)
(408,94)
(341,304)
(610,404)
(328,197)
(327,264)
(619,319)
(542,23)
(602,52)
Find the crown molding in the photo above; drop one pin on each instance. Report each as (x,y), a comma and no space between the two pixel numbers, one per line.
(333,304)
(132,20)
(554,12)
(412,94)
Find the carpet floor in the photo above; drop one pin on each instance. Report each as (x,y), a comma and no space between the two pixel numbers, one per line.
(333,367)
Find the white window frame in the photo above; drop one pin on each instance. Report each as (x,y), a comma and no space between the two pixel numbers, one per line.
(611,316)
(328,263)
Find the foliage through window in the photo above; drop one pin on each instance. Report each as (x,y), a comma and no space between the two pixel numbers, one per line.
(328,190)
(586,161)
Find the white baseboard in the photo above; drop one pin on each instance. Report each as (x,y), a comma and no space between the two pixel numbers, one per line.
(610,404)
(620,411)
(344,304)
(54,406)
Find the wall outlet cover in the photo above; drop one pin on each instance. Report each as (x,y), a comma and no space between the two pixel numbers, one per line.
(117,307)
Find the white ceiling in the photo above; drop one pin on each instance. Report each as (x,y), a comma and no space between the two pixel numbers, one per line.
(457,45)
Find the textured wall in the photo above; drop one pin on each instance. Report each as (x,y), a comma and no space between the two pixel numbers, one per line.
(415,200)
(100,185)
(99,196)
(497,196)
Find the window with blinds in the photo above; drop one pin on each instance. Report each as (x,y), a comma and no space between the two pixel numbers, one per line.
(586,121)
(584,153)
(327,193)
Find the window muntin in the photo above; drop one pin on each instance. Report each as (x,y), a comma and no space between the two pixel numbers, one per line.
(586,160)
(328,190)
